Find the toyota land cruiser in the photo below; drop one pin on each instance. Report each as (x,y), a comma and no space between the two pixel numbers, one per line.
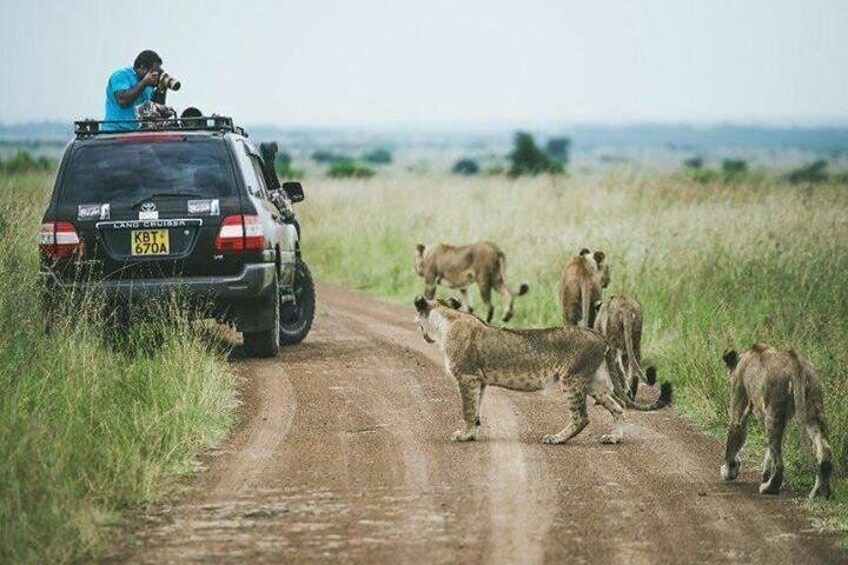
(193,209)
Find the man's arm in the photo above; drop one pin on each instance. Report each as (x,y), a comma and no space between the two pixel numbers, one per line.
(127,96)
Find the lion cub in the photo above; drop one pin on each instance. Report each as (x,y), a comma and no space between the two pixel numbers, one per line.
(461,266)
(478,355)
(620,320)
(580,287)
(775,384)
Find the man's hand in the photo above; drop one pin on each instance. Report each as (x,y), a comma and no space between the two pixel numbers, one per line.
(151,78)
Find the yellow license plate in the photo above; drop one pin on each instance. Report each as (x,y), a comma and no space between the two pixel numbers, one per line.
(149,242)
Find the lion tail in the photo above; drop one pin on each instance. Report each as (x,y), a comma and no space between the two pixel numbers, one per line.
(662,401)
(523,288)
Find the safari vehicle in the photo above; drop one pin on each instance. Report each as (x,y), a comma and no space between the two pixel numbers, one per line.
(187,207)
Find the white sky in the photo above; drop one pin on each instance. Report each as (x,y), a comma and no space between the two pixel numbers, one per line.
(438,62)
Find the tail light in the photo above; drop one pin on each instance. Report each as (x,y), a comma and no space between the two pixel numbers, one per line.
(59,240)
(240,233)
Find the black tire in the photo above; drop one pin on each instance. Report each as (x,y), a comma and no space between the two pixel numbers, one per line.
(266,343)
(296,317)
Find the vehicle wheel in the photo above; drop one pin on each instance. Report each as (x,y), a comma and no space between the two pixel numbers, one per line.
(296,317)
(267,343)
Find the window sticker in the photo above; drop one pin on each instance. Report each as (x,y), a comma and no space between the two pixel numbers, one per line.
(207,207)
(93,212)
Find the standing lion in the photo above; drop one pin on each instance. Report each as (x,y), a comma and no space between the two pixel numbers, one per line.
(580,287)
(619,319)
(461,266)
(775,384)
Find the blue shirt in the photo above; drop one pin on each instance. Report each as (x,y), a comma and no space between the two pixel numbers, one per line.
(123,79)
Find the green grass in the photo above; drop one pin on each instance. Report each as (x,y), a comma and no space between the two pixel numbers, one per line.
(88,430)
(714,265)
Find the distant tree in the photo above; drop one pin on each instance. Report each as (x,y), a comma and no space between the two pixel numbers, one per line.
(325,156)
(734,167)
(23,162)
(378,157)
(527,159)
(558,149)
(283,160)
(694,162)
(349,169)
(466,167)
(811,172)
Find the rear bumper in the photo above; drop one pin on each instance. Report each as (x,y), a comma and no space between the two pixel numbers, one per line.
(242,298)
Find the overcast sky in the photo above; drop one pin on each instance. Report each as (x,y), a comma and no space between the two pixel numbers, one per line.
(439,62)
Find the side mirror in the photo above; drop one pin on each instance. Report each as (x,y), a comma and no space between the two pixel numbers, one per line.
(294,190)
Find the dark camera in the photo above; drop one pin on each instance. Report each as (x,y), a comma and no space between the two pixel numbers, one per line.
(167,82)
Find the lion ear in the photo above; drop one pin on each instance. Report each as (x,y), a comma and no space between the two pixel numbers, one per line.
(599,257)
(421,304)
(731,358)
(453,303)
(420,248)
(584,251)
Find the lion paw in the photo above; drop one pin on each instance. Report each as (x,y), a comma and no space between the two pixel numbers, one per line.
(553,439)
(729,472)
(459,435)
(769,488)
(611,439)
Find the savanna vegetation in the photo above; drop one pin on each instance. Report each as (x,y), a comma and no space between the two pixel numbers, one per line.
(89,431)
(714,264)
(89,428)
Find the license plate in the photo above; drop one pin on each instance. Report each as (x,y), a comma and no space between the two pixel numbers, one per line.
(149,242)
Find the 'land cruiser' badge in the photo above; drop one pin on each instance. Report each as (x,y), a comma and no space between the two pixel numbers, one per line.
(148,212)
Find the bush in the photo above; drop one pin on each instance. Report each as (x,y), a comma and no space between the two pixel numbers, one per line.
(694,162)
(466,167)
(733,168)
(378,157)
(324,156)
(349,169)
(284,169)
(23,162)
(811,172)
(527,159)
(558,149)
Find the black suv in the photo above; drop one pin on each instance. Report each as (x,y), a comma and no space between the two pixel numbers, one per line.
(191,209)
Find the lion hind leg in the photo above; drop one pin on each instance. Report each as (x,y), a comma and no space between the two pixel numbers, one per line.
(471,392)
(466,300)
(486,296)
(775,427)
(824,465)
(737,432)
(618,418)
(576,401)
(509,299)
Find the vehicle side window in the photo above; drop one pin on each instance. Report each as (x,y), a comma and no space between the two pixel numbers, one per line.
(257,170)
(253,180)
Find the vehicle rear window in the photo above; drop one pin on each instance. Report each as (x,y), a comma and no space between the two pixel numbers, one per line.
(130,171)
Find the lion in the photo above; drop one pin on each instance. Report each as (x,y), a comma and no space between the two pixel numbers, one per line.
(459,267)
(619,319)
(583,279)
(478,355)
(775,384)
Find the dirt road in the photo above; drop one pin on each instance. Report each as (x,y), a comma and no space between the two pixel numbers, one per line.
(343,455)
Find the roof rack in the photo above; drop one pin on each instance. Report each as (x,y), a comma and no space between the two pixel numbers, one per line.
(91,128)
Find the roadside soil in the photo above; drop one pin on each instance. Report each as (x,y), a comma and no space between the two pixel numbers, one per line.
(343,455)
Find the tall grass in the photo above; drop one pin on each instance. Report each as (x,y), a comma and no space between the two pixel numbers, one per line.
(88,430)
(713,265)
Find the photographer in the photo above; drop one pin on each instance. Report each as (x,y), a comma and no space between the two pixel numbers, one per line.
(130,87)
